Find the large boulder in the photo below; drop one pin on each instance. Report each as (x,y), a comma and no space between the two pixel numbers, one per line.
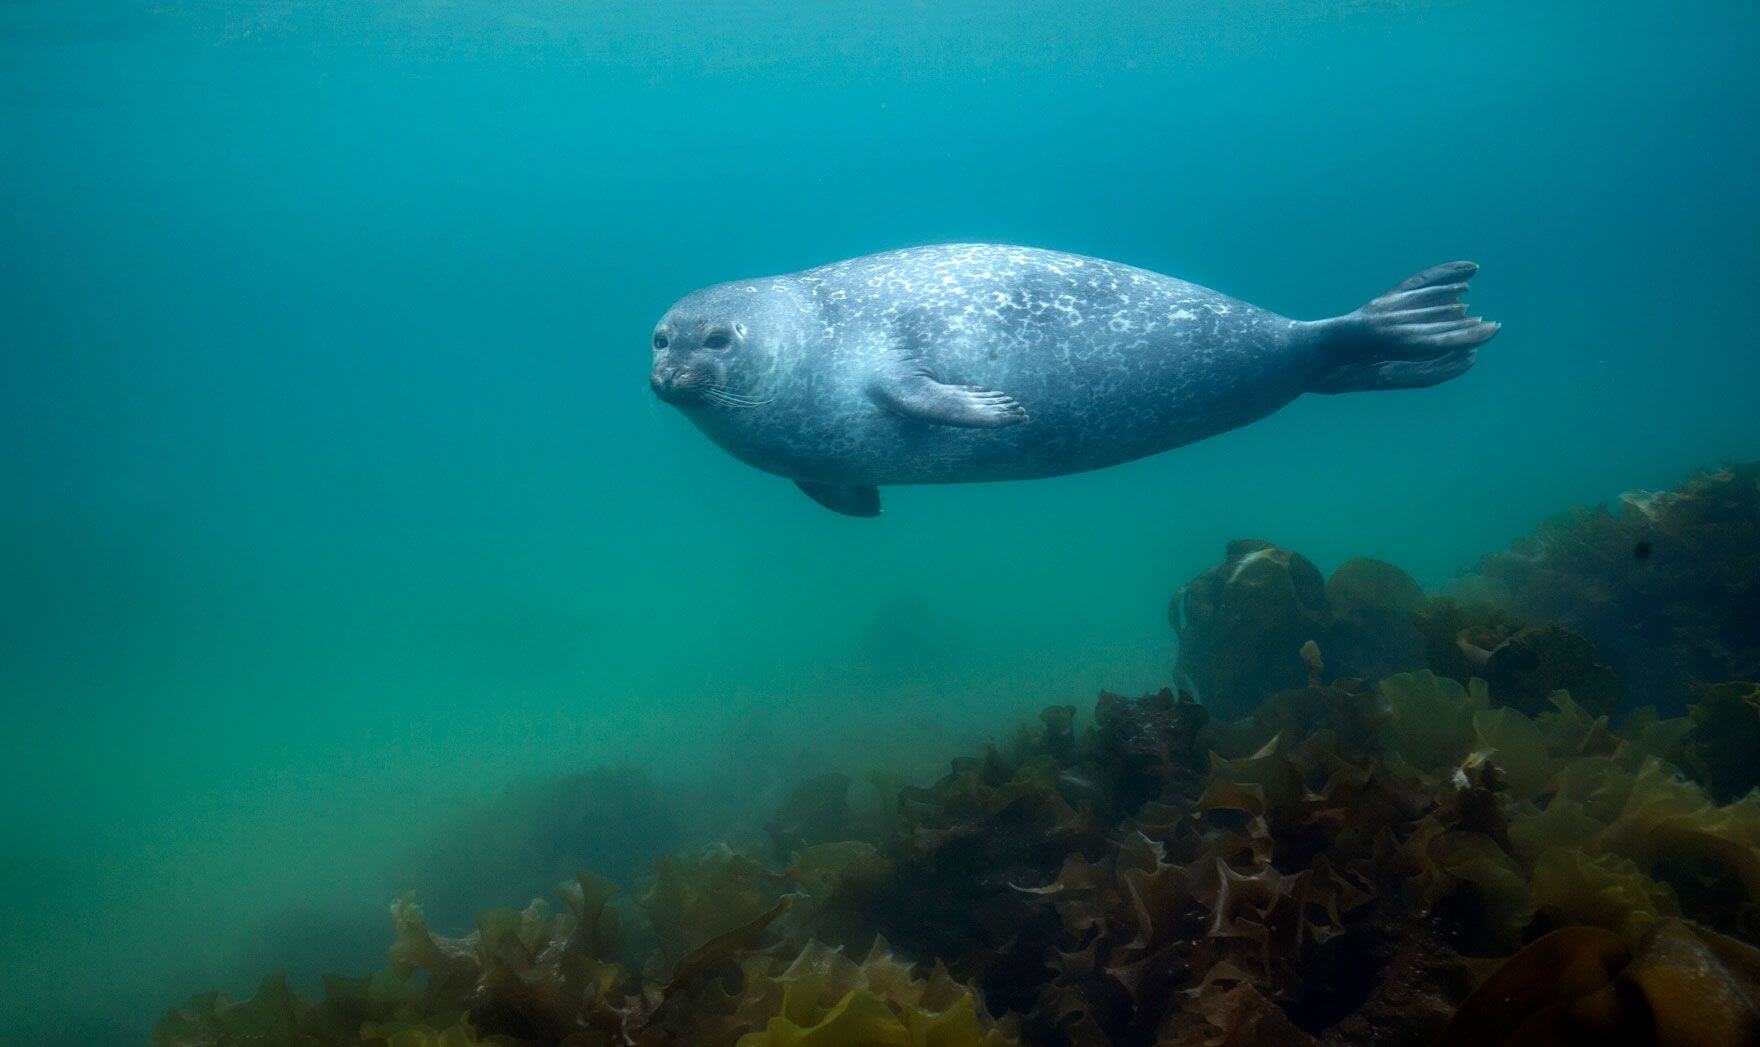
(1242,625)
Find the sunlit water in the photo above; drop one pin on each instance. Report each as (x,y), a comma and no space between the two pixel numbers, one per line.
(335,500)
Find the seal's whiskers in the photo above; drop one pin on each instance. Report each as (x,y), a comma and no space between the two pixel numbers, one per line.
(727,399)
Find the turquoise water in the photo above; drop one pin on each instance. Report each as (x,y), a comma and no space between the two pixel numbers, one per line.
(335,500)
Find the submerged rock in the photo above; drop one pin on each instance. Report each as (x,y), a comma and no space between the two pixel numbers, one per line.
(1371,632)
(1524,669)
(1243,625)
(1723,749)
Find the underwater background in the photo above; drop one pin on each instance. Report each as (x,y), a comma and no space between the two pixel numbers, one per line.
(340,526)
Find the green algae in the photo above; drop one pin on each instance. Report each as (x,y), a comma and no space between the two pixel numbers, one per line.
(1340,863)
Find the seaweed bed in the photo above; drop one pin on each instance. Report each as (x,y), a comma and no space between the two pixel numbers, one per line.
(1523,812)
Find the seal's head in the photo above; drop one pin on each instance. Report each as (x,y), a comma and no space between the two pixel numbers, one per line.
(720,347)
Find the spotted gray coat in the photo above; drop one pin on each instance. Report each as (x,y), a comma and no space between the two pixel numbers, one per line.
(969,362)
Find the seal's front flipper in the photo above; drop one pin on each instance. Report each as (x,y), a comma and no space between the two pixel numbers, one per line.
(843,498)
(907,388)
(1416,335)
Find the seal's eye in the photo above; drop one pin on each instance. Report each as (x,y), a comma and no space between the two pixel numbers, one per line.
(659,341)
(715,341)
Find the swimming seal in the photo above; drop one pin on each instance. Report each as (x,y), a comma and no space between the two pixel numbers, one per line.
(970,362)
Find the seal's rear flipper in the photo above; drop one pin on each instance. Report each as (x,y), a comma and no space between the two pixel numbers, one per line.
(1416,335)
(843,498)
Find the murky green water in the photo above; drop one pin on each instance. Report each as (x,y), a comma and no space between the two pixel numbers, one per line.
(335,500)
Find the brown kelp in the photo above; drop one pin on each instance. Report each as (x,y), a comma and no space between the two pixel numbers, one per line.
(1392,819)
(1667,587)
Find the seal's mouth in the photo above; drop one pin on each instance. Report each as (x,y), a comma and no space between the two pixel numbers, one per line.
(693,386)
(677,385)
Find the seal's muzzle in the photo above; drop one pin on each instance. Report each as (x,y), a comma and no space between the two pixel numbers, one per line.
(676,383)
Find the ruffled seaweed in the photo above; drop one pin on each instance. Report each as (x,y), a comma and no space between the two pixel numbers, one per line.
(1392,818)
(1667,586)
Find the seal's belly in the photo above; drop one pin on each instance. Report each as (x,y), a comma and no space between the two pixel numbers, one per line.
(1066,433)
(1090,404)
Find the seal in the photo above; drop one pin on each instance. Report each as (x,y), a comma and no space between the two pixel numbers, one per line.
(970,362)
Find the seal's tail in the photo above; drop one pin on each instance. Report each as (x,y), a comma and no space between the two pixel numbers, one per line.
(1416,335)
